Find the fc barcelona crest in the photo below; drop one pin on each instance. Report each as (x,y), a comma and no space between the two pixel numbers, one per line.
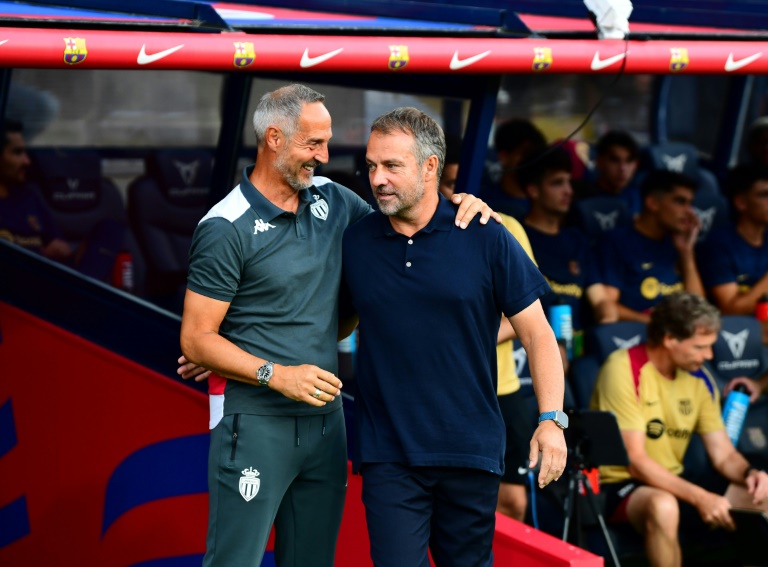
(249,484)
(678,59)
(319,208)
(686,407)
(398,56)
(74,50)
(244,54)
(542,58)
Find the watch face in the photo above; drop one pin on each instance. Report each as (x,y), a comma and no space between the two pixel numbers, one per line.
(264,373)
(561,418)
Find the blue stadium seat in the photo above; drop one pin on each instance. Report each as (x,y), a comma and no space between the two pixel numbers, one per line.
(526,383)
(164,207)
(601,340)
(85,205)
(739,349)
(596,215)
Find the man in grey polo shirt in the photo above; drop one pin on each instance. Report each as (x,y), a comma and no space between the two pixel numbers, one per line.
(261,313)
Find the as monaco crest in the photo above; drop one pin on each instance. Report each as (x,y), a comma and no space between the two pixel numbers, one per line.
(249,484)
(319,208)
(74,50)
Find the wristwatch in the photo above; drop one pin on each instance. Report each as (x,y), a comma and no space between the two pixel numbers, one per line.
(264,373)
(560,418)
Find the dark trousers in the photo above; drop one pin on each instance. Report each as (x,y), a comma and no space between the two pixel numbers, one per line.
(448,510)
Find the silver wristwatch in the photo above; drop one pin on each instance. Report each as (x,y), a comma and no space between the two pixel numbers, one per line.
(264,373)
(560,418)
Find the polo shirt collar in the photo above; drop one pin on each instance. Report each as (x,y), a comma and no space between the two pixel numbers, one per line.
(442,220)
(263,206)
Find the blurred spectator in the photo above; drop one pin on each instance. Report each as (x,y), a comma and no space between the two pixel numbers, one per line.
(26,221)
(617,156)
(757,142)
(451,168)
(734,260)
(565,256)
(517,143)
(641,264)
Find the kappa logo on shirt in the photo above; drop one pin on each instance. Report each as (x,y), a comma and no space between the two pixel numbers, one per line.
(261,226)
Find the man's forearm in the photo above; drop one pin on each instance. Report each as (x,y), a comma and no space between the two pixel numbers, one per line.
(216,353)
(649,472)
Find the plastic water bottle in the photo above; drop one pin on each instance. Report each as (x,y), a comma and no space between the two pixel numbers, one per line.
(735,412)
(561,320)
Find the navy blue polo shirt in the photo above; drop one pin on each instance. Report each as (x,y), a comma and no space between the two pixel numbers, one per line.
(725,257)
(644,270)
(568,262)
(429,308)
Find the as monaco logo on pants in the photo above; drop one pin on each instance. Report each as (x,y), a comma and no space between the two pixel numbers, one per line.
(249,484)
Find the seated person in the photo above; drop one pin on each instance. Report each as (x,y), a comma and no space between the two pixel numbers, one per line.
(26,221)
(516,142)
(653,258)
(616,159)
(661,394)
(565,257)
(733,260)
(756,143)
(447,185)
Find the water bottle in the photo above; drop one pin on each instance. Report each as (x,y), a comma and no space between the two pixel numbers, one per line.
(735,412)
(560,318)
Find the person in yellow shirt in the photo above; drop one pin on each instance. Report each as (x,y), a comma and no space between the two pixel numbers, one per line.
(661,394)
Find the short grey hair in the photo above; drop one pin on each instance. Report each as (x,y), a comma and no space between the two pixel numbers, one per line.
(428,136)
(282,108)
(680,315)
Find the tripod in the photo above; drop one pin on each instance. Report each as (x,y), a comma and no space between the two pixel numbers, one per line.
(576,479)
(593,439)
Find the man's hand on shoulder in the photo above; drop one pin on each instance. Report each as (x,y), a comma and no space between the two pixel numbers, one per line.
(469,206)
(305,383)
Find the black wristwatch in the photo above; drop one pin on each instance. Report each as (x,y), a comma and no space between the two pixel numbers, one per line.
(264,373)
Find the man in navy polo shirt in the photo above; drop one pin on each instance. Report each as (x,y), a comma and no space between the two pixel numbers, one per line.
(429,302)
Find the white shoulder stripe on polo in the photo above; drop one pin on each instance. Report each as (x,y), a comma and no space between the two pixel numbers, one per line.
(231,207)
(319,180)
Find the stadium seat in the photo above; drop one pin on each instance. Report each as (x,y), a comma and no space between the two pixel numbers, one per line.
(738,350)
(601,341)
(164,207)
(526,383)
(86,206)
(596,215)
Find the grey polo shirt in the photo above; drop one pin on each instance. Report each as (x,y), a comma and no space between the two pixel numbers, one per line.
(280,273)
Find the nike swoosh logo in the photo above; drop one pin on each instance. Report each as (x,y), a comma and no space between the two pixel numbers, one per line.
(457,63)
(144,59)
(598,63)
(731,65)
(307,61)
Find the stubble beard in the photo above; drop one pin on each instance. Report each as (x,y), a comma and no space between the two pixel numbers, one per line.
(399,206)
(293,178)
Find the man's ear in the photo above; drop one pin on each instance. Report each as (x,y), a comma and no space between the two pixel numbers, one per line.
(274,138)
(430,168)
